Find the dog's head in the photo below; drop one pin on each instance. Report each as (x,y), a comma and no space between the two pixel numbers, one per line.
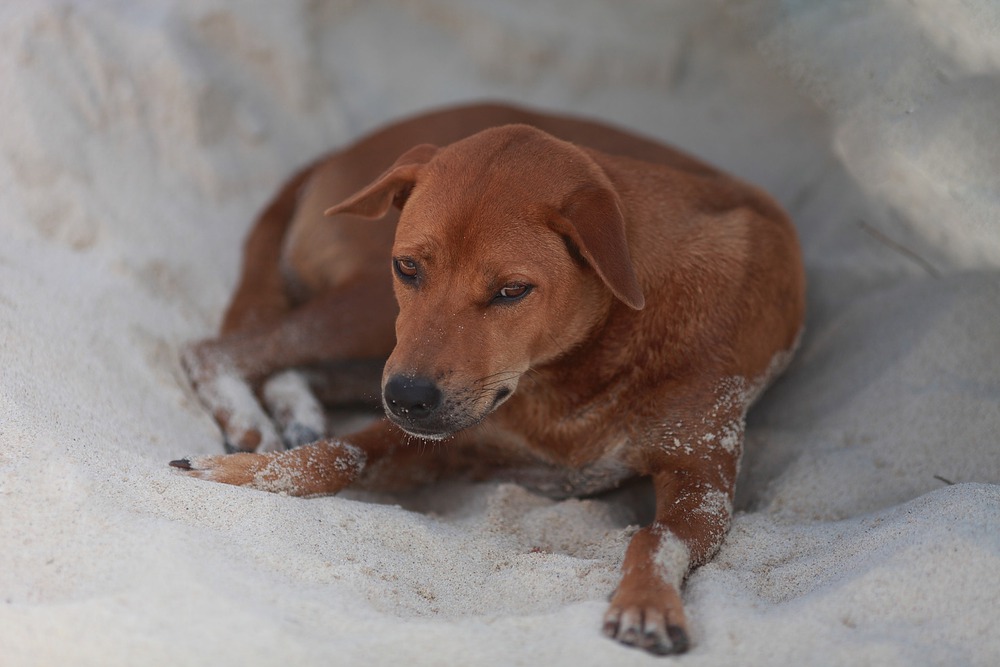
(510,249)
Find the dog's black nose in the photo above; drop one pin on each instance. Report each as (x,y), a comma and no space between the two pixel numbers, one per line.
(411,397)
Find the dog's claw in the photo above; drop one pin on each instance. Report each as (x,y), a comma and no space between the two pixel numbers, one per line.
(679,641)
(646,630)
(296,434)
(183,464)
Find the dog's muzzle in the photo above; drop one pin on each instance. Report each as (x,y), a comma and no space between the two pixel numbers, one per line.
(418,406)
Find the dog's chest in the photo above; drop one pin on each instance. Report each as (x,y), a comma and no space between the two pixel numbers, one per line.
(563,450)
(561,482)
(534,467)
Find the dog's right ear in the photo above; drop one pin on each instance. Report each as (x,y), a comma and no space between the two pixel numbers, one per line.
(592,222)
(391,188)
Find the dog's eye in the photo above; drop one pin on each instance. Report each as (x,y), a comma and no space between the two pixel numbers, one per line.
(512,292)
(405,268)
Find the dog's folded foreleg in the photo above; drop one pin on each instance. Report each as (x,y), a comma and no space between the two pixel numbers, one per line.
(380,457)
(321,468)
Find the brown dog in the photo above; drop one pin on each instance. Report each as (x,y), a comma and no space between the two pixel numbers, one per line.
(572,312)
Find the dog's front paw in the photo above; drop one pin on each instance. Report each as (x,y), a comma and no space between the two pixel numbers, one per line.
(322,468)
(646,623)
(236,469)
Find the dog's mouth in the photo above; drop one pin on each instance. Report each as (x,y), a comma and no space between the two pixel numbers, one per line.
(450,418)
(502,395)
(422,434)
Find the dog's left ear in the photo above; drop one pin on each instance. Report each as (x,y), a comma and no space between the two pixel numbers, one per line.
(592,221)
(391,188)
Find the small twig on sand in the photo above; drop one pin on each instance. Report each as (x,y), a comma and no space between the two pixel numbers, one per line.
(898,247)
(942,479)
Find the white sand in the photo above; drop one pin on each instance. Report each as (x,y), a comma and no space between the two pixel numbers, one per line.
(138,140)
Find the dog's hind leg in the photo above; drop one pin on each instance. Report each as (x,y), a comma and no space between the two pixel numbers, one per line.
(297,399)
(260,301)
(261,296)
(348,323)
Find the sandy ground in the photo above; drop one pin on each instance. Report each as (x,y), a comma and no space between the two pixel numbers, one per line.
(138,140)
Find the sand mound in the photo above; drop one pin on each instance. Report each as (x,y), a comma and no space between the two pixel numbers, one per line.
(139,139)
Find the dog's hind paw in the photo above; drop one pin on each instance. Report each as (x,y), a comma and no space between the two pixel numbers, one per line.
(245,426)
(298,413)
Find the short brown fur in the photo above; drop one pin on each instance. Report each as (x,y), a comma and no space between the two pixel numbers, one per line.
(659,297)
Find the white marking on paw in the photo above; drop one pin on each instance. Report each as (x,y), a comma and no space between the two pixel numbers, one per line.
(290,400)
(231,394)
